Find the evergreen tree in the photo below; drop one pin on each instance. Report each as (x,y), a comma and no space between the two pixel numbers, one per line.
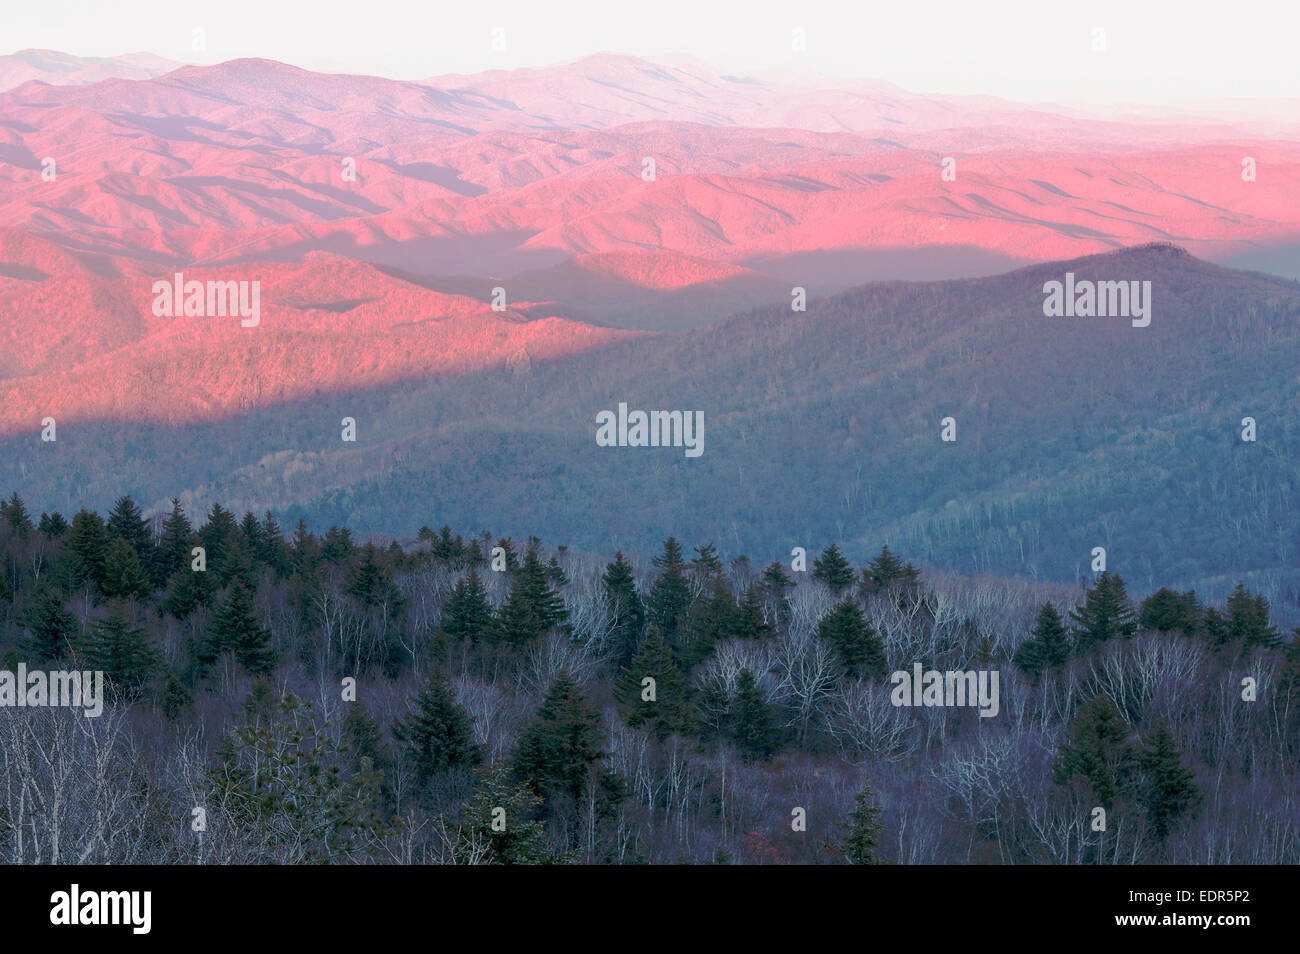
(833,570)
(176,699)
(864,830)
(52,626)
(706,563)
(337,547)
(1167,611)
(753,727)
(710,618)
(53,525)
(85,545)
(854,640)
(749,620)
(123,653)
(1248,622)
(126,522)
(251,530)
(272,551)
(359,737)
(187,590)
(437,734)
(671,558)
(629,612)
(531,608)
(173,552)
(217,536)
(1098,753)
(500,815)
(667,711)
(14,512)
(1215,627)
(670,597)
(887,571)
(560,751)
(1105,613)
(123,577)
(235,629)
(467,614)
(1048,646)
(370,582)
(555,573)
(1168,790)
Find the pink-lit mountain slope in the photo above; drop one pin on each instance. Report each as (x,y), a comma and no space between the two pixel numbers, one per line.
(79,346)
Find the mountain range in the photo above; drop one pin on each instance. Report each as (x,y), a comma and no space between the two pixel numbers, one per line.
(473,267)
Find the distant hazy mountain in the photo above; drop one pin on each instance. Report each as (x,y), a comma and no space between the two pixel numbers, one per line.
(499,174)
(63,69)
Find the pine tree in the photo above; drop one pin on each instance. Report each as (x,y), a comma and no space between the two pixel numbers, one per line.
(500,815)
(854,640)
(187,590)
(1048,646)
(1248,621)
(670,596)
(560,751)
(217,535)
(467,614)
(531,608)
(1168,790)
(123,577)
(864,830)
(706,563)
(710,618)
(437,733)
(272,550)
(370,582)
(84,546)
(671,558)
(176,699)
(127,522)
(123,653)
(833,570)
(359,737)
(667,712)
(15,514)
(629,612)
(555,573)
(1098,753)
(887,571)
(753,727)
(1167,611)
(1105,614)
(1215,627)
(749,620)
(52,626)
(173,552)
(234,628)
(53,525)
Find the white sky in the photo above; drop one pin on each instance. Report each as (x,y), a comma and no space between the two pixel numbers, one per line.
(1156,51)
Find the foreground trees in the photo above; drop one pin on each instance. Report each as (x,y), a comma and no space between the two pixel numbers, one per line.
(544,706)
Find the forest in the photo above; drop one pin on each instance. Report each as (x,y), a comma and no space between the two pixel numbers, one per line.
(468,698)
